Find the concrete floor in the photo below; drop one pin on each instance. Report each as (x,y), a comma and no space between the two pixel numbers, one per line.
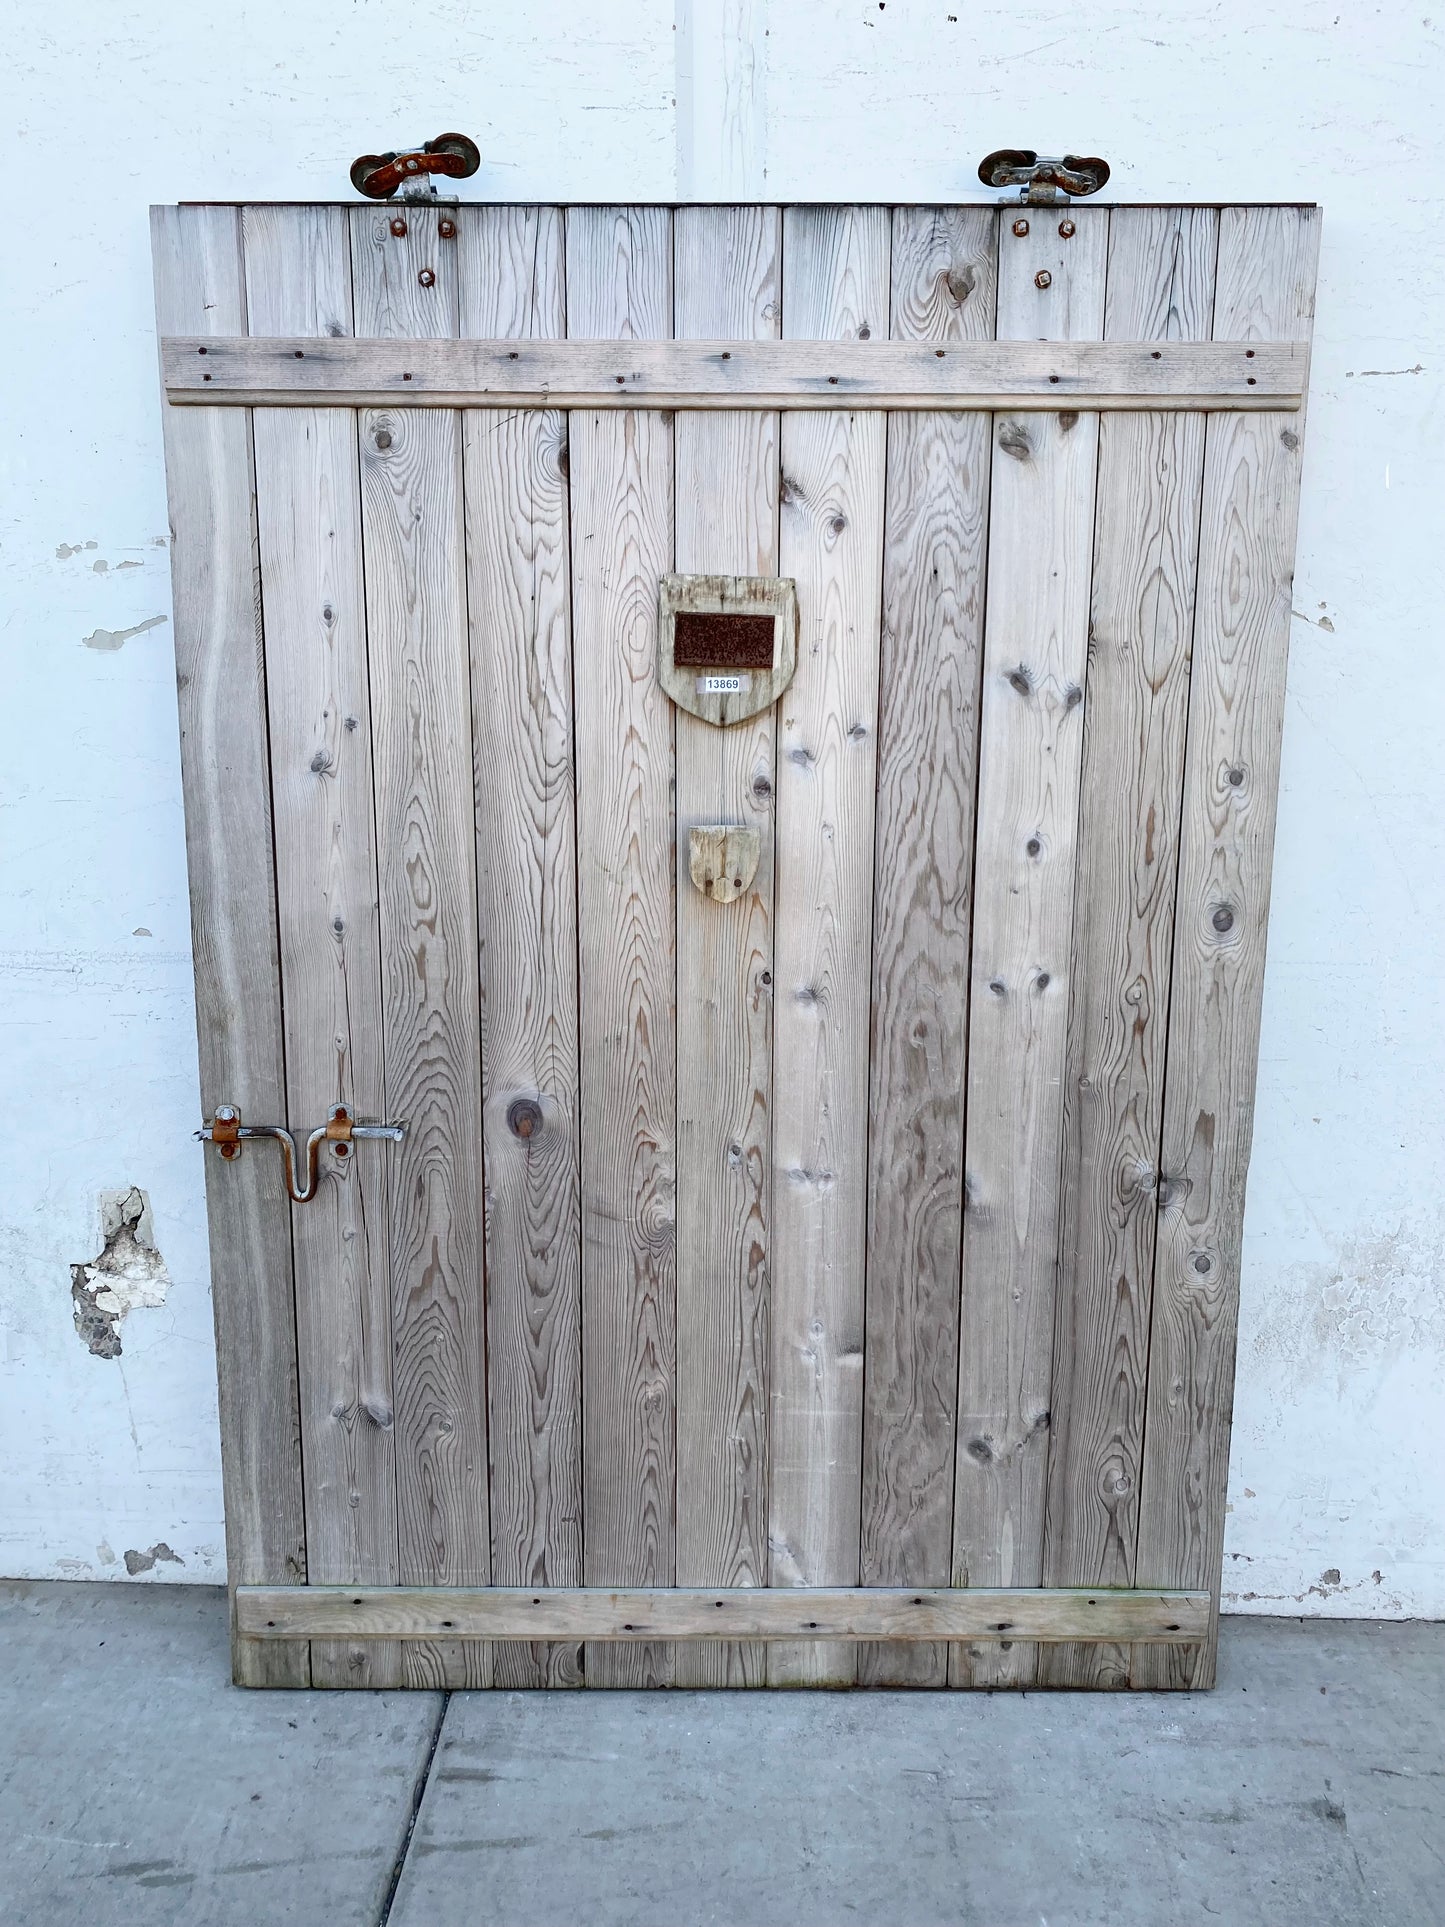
(137,1784)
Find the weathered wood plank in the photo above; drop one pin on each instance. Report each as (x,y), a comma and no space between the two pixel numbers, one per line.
(1035,652)
(298,281)
(619,281)
(835,284)
(511,283)
(726,265)
(944,263)
(1151,466)
(754,1613)
(220,678)
(1266,279)
(413,543)
(827,374)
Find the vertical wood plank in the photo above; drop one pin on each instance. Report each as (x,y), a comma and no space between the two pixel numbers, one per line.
(511,264)
(1264,289)
(619,284)
(298,282)
(1036,641)
(1151,466)
(835,287)
(411,491)
(727,267)
(220,678)
(944,265)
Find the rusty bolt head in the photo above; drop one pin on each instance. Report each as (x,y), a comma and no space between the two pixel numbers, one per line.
(426,278)
(398,226)
(1067,230)
(446,227)
(342,1150)
(1043,279)
(1021,227)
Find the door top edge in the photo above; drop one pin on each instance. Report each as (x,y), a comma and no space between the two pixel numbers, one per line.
(740,200)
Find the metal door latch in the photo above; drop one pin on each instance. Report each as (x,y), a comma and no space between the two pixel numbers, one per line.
(226,1131)
(1038,177)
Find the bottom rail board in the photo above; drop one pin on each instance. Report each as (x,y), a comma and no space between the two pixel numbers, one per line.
(593,1612)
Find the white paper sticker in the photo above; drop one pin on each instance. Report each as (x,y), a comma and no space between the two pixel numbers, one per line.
(719,685)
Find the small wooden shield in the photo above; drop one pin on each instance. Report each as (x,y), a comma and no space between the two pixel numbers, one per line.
(722,859)
(727,645)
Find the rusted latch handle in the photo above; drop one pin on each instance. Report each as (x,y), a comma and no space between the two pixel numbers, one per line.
(226,1131)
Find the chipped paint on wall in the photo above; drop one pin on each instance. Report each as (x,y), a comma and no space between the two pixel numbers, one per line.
(118,638)
(139,1562)
(128,1272)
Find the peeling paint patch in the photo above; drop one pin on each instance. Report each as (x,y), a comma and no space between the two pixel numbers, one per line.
(137,1562)
(1379,1299)
(129,1271)
(68,549)
(118,638)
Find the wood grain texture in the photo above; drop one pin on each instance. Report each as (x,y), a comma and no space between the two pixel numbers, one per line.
(1035,652)
(411,490)
(1266,279)
(515,466)
(944,263)
(634,1615)
(727,263)
(298,281)
(835,284)
(619,283)
(1160,282)
(220,678)
(865,373)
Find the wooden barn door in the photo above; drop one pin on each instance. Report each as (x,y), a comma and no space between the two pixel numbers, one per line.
(832,1283)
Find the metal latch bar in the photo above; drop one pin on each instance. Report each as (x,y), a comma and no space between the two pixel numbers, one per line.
(226,1131)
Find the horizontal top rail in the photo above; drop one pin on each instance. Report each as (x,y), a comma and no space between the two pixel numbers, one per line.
(345,372)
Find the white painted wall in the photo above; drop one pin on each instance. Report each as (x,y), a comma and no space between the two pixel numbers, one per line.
(1338,1483)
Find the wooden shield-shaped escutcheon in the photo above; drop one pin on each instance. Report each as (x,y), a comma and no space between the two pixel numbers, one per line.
(722,859)
(727,645)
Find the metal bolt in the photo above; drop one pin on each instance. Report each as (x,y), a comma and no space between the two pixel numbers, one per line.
(446,228)
(1021,227)
(426,278)
(1043,279)
(398,227)
(1066,228)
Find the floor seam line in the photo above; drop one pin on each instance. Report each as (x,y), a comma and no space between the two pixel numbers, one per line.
(418,1794)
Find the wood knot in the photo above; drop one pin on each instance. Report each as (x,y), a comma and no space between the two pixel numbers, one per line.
(960,284)
(524,1117)
(1013,439)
